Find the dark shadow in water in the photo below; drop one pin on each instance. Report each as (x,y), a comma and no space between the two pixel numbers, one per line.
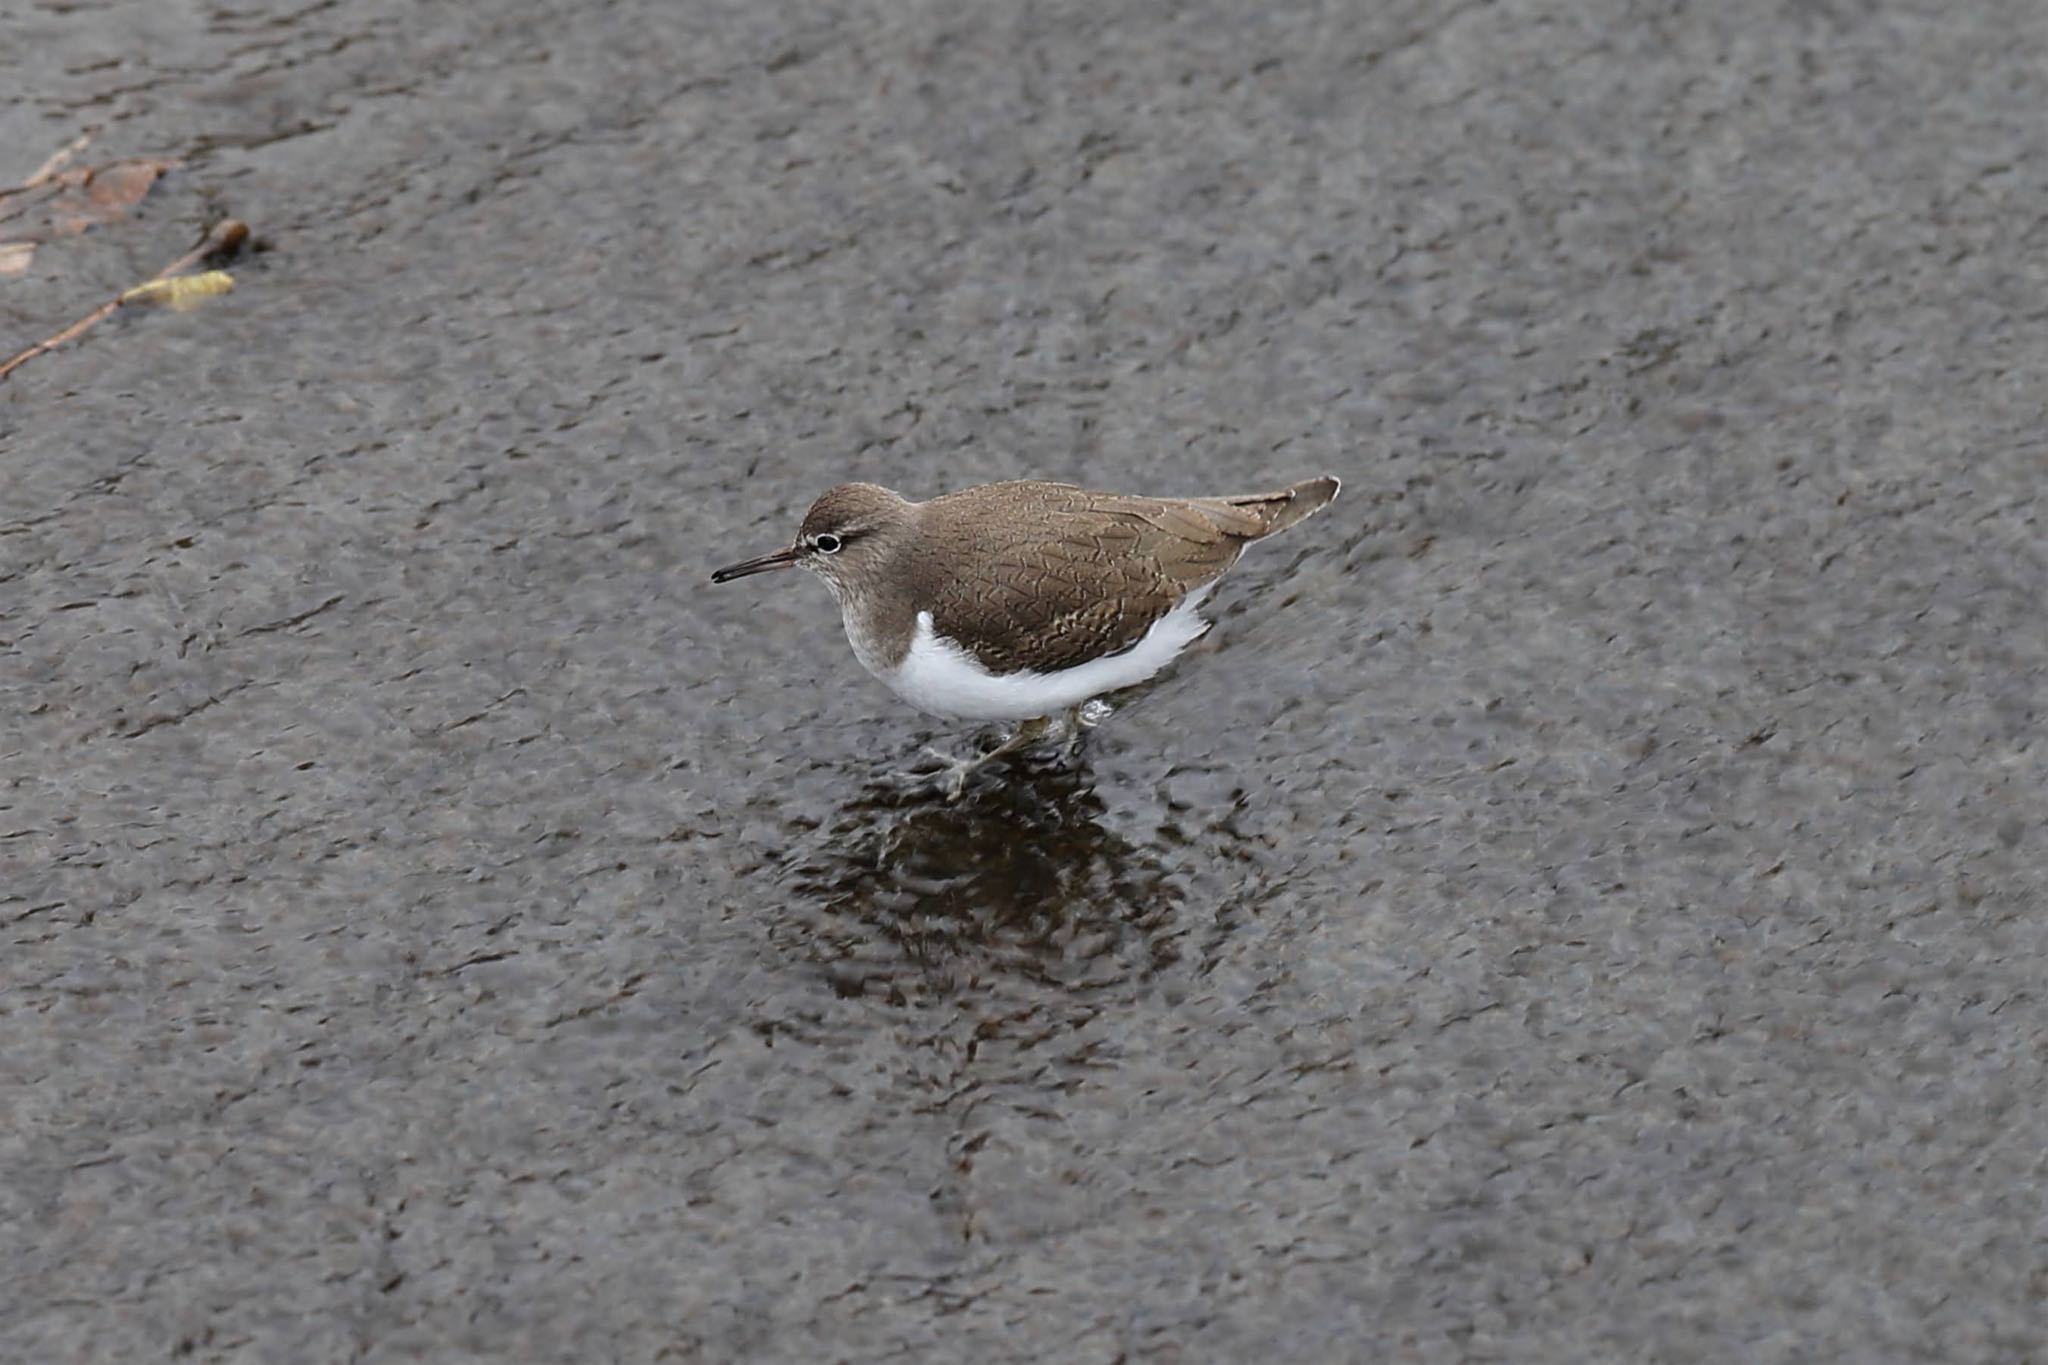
(918,897)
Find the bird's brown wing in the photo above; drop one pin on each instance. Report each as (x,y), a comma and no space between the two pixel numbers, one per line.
(1047,576)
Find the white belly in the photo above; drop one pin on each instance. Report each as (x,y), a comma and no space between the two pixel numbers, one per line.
(939,677)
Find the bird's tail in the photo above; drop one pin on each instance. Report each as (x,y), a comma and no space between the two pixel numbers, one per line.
(1279,510)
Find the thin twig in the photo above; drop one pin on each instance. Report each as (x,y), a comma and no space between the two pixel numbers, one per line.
(45,173)
(226,236)
(61,158)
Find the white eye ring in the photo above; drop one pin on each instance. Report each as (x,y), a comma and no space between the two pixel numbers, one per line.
(826,543)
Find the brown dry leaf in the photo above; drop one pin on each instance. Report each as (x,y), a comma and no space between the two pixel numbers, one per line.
(77,199)
(15,256)
(106,195)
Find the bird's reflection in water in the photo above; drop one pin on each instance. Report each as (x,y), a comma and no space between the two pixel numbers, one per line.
(923,898)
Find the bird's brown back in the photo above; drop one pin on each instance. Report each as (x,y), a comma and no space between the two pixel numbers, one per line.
(1043,576)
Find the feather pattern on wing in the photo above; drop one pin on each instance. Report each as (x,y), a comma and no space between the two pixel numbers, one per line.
(1034,577)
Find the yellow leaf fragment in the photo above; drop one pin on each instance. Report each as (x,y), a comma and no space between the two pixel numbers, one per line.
(183,291)
(15,256)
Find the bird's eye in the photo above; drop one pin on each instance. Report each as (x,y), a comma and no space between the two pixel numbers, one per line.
(827,543)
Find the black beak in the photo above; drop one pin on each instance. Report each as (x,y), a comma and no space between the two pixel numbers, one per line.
(781,559)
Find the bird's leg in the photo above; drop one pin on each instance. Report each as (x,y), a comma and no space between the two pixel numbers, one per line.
(1082,719)
(954,772)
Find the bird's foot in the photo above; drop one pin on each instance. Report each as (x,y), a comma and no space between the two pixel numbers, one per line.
(947,773)
(952,773)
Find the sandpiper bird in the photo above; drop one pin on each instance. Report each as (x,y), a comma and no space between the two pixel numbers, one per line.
(1024,601)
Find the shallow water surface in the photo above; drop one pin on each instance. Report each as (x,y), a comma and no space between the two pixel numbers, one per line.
(1580,902)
